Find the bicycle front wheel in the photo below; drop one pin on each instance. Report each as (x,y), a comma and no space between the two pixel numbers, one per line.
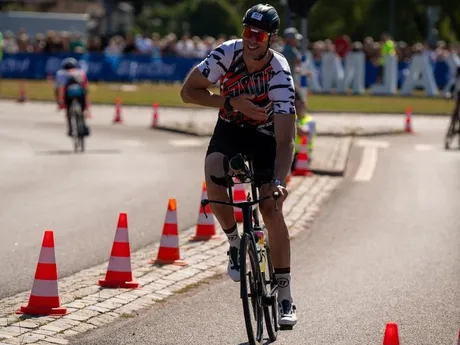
(271,311)
(251,290)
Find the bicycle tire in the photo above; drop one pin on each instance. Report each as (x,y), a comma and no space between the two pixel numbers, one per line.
(451,131)
(254,299)
(270,312)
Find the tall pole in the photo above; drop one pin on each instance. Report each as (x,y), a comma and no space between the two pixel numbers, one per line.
(304,29)
(392,19)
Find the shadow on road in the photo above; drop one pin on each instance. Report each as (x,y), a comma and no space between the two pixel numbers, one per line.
(266,342)
(71,152)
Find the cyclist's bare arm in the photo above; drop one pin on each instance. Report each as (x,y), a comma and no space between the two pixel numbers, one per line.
(285,129)
(195,90)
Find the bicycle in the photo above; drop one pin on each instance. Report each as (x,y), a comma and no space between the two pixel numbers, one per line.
(77,126)
(254,252)
(454,128)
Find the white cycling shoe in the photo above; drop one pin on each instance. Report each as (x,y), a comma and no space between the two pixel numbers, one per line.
(287,317)
(233,268)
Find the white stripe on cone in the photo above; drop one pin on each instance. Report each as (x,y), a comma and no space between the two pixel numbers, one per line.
(121,235)
(171,217)
(202,220)
(119,264)
(45,288)
(47,256)
(169,241)
(302,164)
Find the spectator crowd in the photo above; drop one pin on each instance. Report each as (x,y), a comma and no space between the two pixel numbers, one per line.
(196,47)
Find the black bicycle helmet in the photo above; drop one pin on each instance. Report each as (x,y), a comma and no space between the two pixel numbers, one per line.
(69,63)
(263,17)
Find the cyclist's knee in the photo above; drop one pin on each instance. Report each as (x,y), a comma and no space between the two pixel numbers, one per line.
(213,166)
(267,207)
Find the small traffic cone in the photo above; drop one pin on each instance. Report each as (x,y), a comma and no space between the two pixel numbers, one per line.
(205,228)
(44,297)
(117,118)
(301,167)
(169,253)
(239,195)
(22,93)
(154,116)
(408,124)
(119,273)
(391,336)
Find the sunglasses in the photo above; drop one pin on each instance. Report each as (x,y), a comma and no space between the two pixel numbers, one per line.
(259,36)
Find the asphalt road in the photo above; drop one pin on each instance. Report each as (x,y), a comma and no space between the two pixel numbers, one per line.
(384,248)
(44,185)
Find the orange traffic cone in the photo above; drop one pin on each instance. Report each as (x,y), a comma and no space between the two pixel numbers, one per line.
(408,125)
(155,116)
(169,252)
(301,167)
(205,228)
(119,273)
(22,93)
(391,336)
(44,297)
(117,118)
(239,195)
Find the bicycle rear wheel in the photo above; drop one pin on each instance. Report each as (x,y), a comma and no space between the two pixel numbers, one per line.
(270,311)
(251,290)
(451,131)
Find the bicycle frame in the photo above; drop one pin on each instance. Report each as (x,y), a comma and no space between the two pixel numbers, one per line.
(246,206)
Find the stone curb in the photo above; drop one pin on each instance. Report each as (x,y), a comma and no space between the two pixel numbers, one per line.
(338,134)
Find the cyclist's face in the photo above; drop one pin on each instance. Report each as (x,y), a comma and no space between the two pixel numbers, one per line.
(254,41)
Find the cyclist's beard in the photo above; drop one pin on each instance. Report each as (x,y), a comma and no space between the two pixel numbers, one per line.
(261,55)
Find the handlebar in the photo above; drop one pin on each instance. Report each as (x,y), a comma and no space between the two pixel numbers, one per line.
(242,205)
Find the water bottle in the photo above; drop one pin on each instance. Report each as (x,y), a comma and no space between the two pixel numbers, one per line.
(261,249)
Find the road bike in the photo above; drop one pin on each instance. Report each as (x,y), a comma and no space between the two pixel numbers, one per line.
(78,131)
(453,129)
(258,286)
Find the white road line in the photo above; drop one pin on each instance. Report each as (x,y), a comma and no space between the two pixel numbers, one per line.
(368,164)
(186,142)
(372,143)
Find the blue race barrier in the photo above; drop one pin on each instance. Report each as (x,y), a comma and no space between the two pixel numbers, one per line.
(127,67)
(99,67)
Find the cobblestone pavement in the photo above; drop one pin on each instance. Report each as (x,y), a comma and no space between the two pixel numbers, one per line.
(330,155)
(89,306)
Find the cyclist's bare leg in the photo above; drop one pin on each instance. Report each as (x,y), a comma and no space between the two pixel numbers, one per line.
(225,214)
(280,252)
(214,167)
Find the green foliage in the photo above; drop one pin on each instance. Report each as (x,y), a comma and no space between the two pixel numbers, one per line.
(328,18)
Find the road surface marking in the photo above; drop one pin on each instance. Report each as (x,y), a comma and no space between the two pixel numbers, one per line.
(372,143)
(186,142)
(423,147)
(368,164)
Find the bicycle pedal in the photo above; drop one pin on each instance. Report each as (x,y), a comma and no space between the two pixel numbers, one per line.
(268,300)
(286,327)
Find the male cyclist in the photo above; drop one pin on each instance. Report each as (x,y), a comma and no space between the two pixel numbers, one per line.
(256,116)
(72,83)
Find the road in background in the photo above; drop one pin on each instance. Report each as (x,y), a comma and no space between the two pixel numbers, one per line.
(44,185)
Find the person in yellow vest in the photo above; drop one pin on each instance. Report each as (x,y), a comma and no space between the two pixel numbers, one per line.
(306,126)
(387,47)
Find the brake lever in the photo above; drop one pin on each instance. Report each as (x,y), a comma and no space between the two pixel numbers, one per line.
(204,203)
(276,195)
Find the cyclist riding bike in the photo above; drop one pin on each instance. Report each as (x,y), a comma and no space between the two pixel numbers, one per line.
(72,83)
(455,93)
(256,116)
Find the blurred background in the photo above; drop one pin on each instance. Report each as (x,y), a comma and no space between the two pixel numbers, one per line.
(190,28)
